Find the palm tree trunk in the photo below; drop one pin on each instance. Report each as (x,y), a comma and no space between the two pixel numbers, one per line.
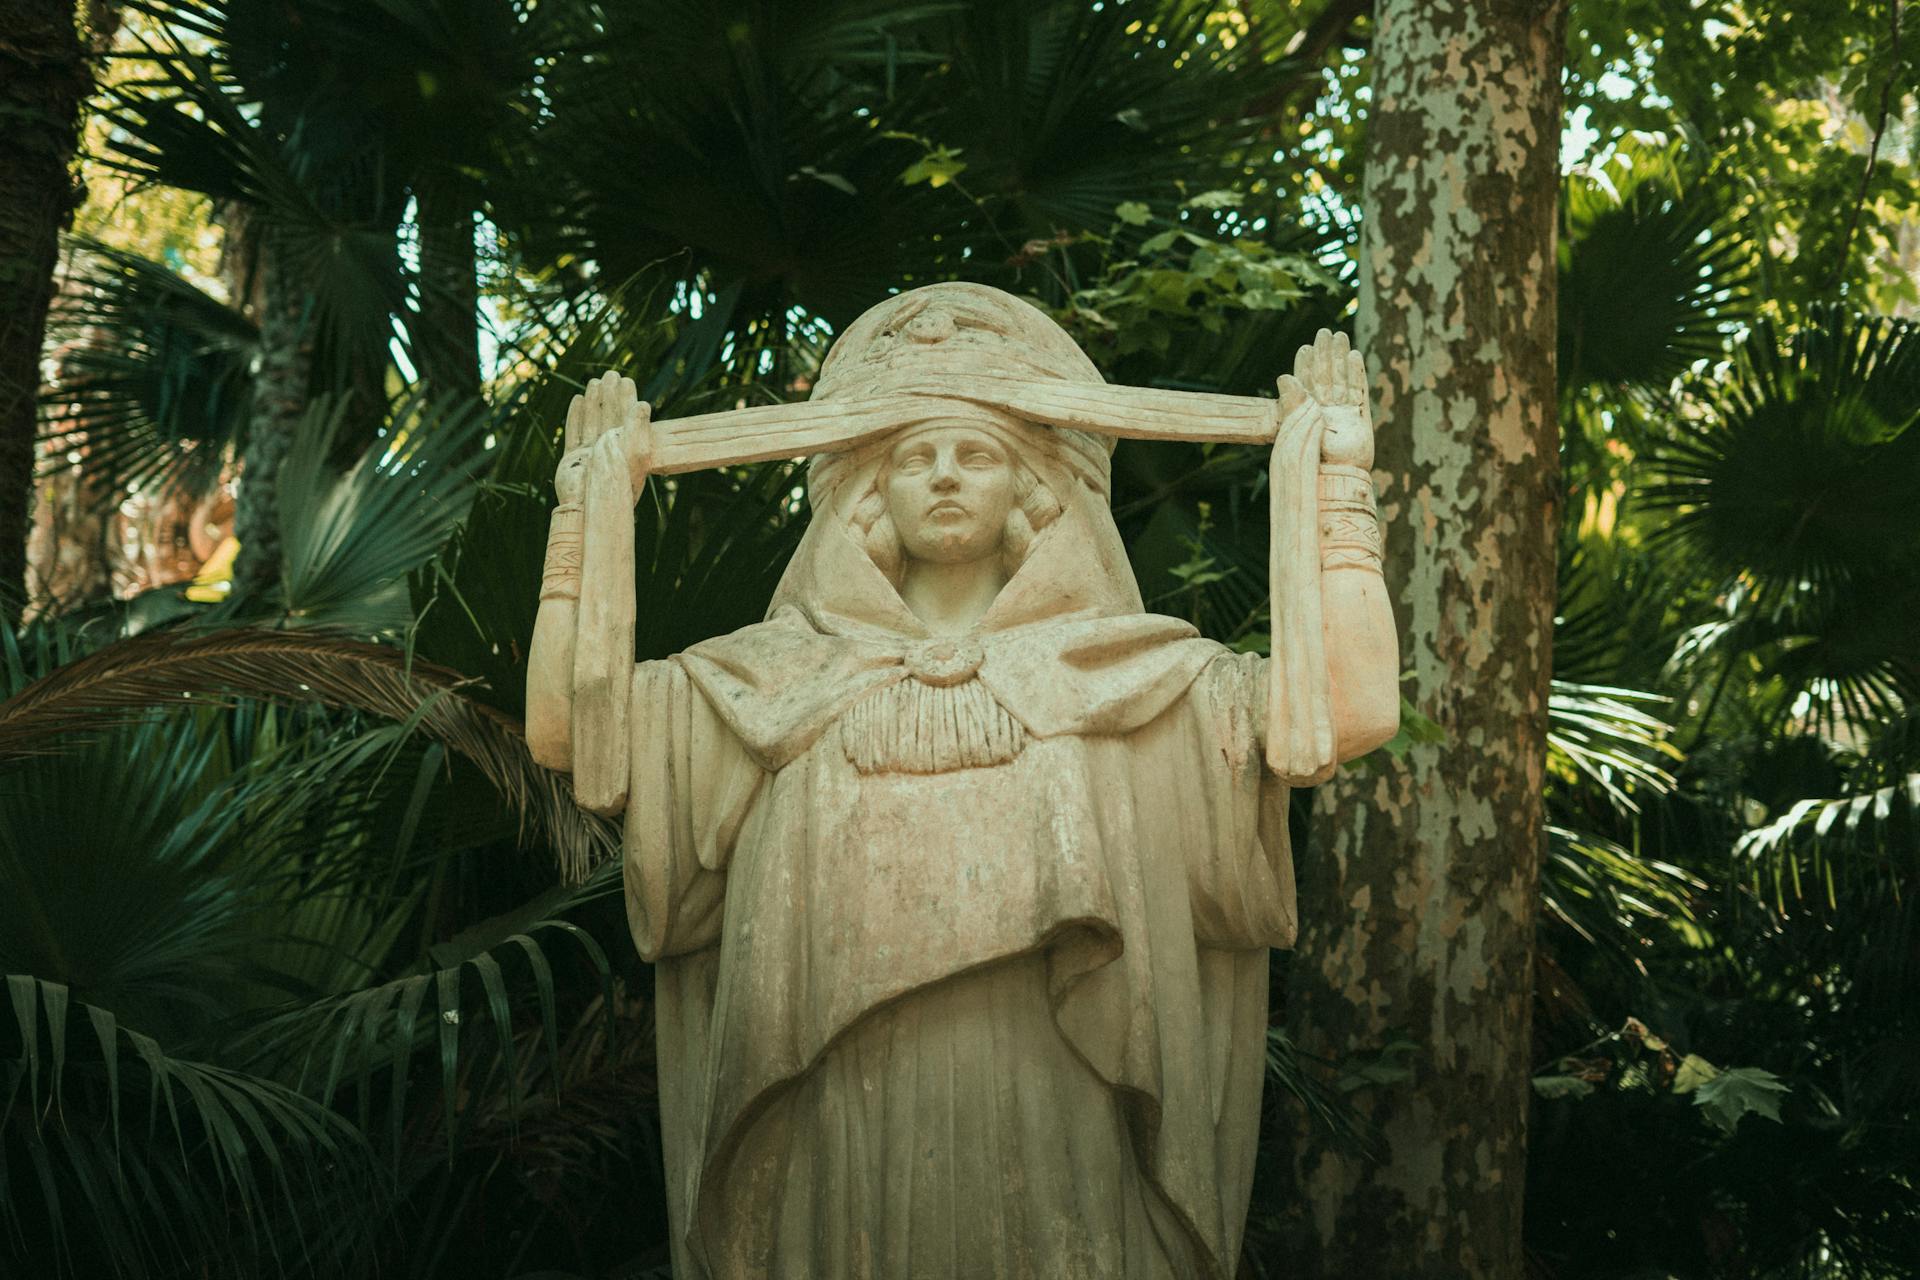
(280,391)
(1418,902)
(45,77)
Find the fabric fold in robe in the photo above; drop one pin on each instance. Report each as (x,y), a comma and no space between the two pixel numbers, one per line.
(1118,893)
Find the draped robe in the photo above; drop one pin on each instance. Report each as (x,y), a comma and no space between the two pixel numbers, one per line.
(958,979)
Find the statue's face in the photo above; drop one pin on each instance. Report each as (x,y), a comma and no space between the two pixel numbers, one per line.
(949,490)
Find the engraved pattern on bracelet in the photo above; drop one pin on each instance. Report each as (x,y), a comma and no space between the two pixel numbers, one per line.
(1350,557)
(1350,538)
(565,543)
(1345,485)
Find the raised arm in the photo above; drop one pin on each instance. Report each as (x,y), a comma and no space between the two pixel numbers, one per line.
(609,402)
(1361,645)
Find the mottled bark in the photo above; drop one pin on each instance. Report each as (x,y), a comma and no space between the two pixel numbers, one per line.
(45,77)
(446,345)
(281,385)
(1418,897)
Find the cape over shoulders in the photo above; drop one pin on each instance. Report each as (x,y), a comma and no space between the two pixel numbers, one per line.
(780,683)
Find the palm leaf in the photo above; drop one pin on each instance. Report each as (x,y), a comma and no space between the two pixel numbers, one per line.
(140,903)
(162,669)
(1794,484)
(1607,738)
(348,1038)
(1821,845)
(348,542)
(1653,276)
(323,200)
(154,375)
(220,1149)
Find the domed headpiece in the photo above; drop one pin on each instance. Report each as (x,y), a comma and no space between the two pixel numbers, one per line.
(962,351)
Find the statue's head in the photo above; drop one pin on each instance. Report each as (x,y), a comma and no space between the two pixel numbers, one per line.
(953,491)
(972,481)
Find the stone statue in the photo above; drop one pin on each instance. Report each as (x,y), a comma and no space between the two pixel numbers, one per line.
(959,872)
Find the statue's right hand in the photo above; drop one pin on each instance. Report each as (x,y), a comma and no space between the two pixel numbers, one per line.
(610,403)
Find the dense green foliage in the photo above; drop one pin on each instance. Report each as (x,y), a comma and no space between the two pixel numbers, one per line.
(294,984)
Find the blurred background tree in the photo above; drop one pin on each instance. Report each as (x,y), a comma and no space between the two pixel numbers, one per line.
(295,985)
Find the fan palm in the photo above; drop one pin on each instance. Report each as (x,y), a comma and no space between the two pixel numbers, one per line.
(1793,481)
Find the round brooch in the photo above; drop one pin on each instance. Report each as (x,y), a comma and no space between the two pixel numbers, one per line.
(945,662)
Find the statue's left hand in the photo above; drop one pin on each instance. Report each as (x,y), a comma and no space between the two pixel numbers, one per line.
(610,406)
(1331,377)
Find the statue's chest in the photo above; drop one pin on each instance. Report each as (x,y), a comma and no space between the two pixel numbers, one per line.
(930,872)
(938,720)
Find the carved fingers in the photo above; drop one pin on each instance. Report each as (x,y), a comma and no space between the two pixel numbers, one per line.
(610,403)
(1331,375)
(1330,371)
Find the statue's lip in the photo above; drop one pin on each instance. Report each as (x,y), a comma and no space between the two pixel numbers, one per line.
(947,505)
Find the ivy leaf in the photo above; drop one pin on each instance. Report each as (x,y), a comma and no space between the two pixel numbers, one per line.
(1736,1091)
(1134,213)
(938,167)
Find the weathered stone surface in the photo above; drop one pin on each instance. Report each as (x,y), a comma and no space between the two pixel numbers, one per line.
(959,872)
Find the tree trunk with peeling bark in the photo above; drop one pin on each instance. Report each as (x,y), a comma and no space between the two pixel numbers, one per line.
(281,386)
(1419,895)
(45,77)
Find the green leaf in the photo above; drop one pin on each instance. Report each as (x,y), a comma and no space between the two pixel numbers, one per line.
(502,1014)
(1160,243)
(834,180)
(108,1034)
(1553,1087)
(1693,1072)
(938,167)
(1416,730)
(1219,199)
(1737,1091)
(447,985)
(1133,213)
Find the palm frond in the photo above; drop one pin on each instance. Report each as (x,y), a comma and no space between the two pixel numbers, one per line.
(346,1039)
(1653,277)
(1820,846)
(140,903)
(1609,739)
(1801,467)
(1608,894)
(1794,483)
(325,204)
(348,542)
(153,374)
(226,1163)
(163,669)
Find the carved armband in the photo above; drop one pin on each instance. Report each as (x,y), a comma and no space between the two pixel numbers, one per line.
(1349,527)
(561,581)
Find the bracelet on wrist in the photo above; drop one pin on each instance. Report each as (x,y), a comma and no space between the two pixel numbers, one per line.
(1349,527)
(560,580)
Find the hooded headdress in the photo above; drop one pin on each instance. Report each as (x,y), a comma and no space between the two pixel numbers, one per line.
(957,352)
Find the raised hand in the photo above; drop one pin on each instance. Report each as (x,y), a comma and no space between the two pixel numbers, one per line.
(610,403)
(1331,377)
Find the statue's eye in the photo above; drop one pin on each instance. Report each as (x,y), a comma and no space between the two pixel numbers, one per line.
(981,458)
(913,462)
